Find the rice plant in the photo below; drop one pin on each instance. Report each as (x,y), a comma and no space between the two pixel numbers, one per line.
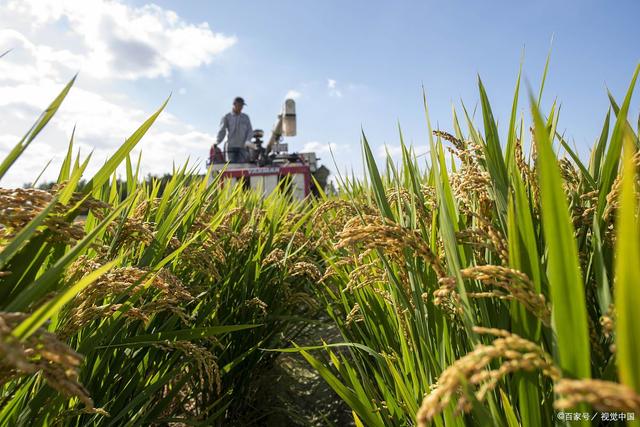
(151,307)
(495,285)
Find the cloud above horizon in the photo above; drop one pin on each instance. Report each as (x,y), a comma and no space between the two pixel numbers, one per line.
(108,41)
(332,85)
(123,42)
(293,94)
(319,147)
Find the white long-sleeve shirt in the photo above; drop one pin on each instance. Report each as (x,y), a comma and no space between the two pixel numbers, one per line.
(237,129)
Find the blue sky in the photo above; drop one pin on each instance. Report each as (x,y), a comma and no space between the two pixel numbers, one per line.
(351,64)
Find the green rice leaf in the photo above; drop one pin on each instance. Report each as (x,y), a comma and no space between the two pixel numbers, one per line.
(576,160)
(626,293)
(65,169)
(376,182)
(35,129)
(565,279)
(110,166)
(181,335)
(511,136)
(363,410)
(51,277)
(612,159)
(35,181)
(25,234)
(493,152)
(598,153)
(298,349)
(512,420)
(544,74)
(51,307)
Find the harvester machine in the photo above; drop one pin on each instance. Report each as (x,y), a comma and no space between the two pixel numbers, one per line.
(273,167)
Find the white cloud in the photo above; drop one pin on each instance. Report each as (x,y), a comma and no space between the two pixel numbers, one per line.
(121,41)
(36,70)
(102,126)
(161,148)
(332,85)
(319,147)
(8,141)
(293,94)
(29,62)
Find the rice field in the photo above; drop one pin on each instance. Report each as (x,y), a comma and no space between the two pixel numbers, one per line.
(497,284)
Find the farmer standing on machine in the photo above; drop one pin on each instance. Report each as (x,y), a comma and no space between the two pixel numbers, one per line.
(236,126)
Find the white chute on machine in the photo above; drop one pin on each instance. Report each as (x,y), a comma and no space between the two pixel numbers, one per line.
(284,126)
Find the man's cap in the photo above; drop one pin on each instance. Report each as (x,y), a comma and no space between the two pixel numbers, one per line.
(239,100)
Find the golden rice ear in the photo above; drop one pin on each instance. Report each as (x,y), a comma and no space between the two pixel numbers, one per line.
(474,376)
(42,352)
(606,396)
(372,232)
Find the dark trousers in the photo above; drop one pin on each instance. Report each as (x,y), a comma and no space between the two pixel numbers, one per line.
(237,155)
